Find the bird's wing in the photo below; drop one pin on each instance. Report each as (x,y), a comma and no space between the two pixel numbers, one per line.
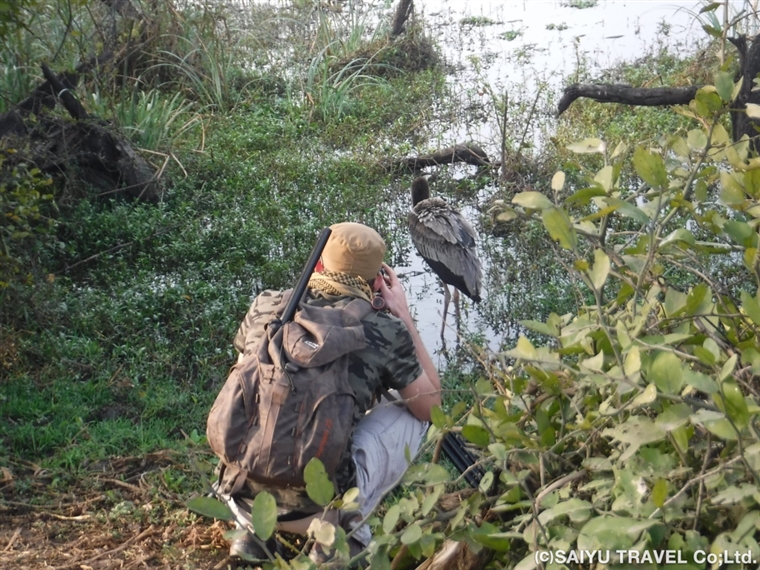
(443,235)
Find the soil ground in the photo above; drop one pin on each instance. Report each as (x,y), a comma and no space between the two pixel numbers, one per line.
(119,517)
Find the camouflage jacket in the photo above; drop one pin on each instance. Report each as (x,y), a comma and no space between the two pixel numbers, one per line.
(389,359)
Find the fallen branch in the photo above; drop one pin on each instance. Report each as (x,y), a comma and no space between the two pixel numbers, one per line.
(78,518)
(129,486)
(16,534)
(608,93)
(468,153)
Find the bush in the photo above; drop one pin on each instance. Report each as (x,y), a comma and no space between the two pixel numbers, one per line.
(633,427)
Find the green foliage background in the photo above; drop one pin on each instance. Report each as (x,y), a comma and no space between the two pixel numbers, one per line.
(622,415)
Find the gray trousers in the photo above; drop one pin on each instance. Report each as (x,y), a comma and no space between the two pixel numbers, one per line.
(379,447)
(379,450)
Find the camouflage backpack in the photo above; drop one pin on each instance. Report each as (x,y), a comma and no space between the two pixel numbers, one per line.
(290,399)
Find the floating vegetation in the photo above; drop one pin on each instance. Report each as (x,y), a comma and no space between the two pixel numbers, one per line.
(477,21)
(511,35)
(580,4)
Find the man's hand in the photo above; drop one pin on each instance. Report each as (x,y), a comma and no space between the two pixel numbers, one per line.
(395,297)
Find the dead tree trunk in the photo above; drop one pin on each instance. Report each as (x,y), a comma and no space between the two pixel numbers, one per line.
(87,148)
(403,11)
(749,66)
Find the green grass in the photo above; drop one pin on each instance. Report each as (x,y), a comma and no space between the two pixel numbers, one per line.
(128,348)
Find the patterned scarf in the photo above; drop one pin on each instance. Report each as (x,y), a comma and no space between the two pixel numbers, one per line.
(334,283)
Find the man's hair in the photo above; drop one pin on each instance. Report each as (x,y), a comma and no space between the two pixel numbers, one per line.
(355,249)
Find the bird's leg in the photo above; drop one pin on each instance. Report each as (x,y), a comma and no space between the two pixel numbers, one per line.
(446,301)
(457,314)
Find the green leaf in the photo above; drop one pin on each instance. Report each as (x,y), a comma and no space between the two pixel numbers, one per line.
(711,7)
(700,381)
(714,32)
(728,368)
(648,396)
(679,146)
(707,101)
(681,235)
(584,196)
(264,515)
(431,473)
(486,482)
(477,435)
(724,84)
(322,531)
(438,417)
(605,177)
(540,327)
(705,355)
(498,450)
(524,350)
(650,167)
(612,533)
(490,536)
(429,501)
(637,430)
(731,193)
(751,307)
(675,301)
(412,534)
(504,213)
(736,405)
(560,228)
(629,210)
(390,519)
(734,495)
(666,373)
(577,510)
(210,507)
(318,485)
(753,110)
(740,232)
(681,436)
(532,200)
(558,181)
(587,146)
(601,269)
(696,139)
(674,417)
(716,423)
(350,496)
(380,560)
(660,492)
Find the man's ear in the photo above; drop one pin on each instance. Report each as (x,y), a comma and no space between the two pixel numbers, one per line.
(319,268)
(376,282)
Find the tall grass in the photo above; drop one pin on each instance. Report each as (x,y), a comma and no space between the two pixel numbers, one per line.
(331,93)
(206,72)
(150,119)
(345,32)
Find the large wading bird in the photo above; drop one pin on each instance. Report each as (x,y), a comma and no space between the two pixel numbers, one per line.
(446,241)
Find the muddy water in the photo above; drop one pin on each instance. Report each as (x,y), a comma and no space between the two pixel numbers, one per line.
(519,48)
